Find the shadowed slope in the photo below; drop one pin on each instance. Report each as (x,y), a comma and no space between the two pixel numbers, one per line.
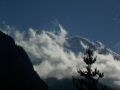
(16,70)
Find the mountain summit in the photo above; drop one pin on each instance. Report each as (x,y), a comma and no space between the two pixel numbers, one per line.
(78,44)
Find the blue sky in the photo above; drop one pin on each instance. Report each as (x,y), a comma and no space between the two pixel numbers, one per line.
(94,19)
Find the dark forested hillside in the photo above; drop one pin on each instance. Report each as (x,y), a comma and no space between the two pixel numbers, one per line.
(16,70)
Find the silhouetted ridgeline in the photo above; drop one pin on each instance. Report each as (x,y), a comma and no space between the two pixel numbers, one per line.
(16,70)
(66,84)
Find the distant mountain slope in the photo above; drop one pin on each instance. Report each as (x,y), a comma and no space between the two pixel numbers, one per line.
(64,84)
(78,44)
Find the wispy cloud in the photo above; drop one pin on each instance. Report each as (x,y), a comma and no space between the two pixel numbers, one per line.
(51,59)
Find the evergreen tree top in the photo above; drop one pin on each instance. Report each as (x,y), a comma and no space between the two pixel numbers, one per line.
(88,79)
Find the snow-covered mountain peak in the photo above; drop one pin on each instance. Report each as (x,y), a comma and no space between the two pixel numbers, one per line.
(79,44)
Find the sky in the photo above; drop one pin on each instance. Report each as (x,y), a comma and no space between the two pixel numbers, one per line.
(94,19)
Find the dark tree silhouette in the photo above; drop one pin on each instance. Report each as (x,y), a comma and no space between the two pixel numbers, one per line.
(88,79)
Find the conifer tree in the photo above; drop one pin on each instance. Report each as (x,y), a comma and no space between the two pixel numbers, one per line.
(88,79)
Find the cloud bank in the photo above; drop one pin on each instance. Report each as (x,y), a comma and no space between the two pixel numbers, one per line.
(51,59)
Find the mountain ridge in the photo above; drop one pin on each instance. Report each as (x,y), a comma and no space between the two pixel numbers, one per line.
(16,69)
(79,44)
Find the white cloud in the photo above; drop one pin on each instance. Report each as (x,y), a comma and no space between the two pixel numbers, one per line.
(50,58)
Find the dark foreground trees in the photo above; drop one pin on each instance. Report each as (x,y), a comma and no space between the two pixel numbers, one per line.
(89,79)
